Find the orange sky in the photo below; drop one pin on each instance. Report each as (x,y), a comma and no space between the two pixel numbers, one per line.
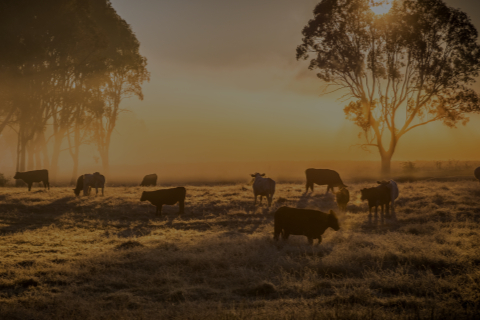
(225,86)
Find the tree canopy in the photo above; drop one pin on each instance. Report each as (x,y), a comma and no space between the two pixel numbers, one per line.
(400,70)
(60,62)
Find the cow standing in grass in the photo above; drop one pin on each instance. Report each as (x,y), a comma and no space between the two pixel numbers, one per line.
(149,180)
(342,196)
(393,188)
(304,222)
(166,196)
(34,176)
(321,177)
(377,196)
(88,181)
(477,173)
(263,187)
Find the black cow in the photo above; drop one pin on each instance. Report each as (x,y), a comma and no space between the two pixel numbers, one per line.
(304,222)
(377,196)
(323,177)
(149,180)
(342,196)
(477,173)
(166,196)
(34,176)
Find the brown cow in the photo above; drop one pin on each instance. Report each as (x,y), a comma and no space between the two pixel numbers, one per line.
(305,222)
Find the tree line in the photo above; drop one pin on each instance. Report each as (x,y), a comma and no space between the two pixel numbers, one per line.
(65,67)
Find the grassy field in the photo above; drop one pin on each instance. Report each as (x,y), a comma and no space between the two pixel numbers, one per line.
(112,258)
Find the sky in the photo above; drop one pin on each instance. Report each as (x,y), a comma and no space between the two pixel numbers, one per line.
(226,86)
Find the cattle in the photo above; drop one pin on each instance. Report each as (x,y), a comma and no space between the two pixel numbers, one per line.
(263,187)
(304,222)
(477,173)
(342,196)
(34,176)
(322,177)
(149,180)
(393,188)
(376,196)
(166,196)
(88,181)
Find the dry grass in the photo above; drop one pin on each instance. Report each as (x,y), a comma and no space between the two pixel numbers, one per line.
(112,258)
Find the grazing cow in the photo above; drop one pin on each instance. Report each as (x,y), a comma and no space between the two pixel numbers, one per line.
(88,181)
(304,222)
(166,196)
(342,196)
(477,173)
(323,177)
(149,180)
(392,186)
(376,196)
(263,187)
(34,176)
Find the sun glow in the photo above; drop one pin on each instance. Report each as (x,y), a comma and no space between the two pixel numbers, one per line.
(381,7)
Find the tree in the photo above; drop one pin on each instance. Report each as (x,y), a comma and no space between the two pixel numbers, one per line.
(401,70)
(126,72)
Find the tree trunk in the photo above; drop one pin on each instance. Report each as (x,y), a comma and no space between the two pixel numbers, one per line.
(56,153)
(31,156)
(75,154)
(105,162)
(42,145)
(386,165)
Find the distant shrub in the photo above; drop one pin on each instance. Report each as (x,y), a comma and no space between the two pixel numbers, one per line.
(409,166)
(3,180)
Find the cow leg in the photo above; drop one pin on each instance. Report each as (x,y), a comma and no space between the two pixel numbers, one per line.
(310,240)
(255,201)
(285,235)
(30,186)
(96,191)
(261,197)
(44,185)
(319,240)
(387,210)
(159,210)
(181,206)
(102,190)
(270,199)
(376,210)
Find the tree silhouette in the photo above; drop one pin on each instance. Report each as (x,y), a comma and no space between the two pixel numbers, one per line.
(401,70)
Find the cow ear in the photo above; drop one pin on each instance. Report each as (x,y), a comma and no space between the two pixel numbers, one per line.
(252,175)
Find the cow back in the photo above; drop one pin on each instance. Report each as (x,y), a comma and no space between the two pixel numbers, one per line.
(32,176)
(165,196)
(302,221)
(323,177)
(263,186)
(477,173)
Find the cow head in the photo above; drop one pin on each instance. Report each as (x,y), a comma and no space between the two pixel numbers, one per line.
(76,191)
(333,221)
(364,193)
(256,175)
(144,196)
(17,175)
(383,182)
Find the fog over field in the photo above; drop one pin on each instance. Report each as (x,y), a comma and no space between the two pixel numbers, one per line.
(112,258)
(224,101)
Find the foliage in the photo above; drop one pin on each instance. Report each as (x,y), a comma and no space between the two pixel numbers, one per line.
(59,64)
(417,60)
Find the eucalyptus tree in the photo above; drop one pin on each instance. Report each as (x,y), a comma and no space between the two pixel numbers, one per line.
(401,70)
(126,72)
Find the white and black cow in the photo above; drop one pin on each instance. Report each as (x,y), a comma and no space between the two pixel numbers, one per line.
(263,187)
